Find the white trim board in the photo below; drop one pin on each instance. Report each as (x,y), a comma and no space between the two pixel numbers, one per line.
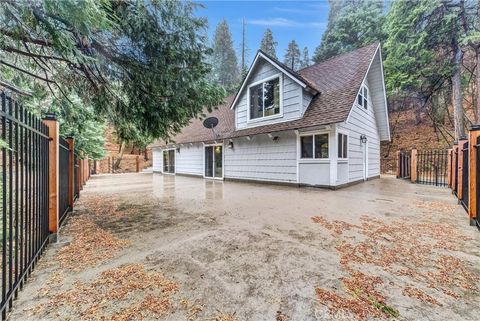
(263,56)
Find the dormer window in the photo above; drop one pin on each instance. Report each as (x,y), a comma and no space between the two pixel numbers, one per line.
(362,98)
(264,98)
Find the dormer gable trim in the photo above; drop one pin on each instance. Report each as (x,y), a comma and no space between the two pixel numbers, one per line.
(261,54)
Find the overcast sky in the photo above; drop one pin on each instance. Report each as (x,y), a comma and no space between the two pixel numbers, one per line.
(304,21)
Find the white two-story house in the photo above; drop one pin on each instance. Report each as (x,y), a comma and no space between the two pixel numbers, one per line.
(319,126)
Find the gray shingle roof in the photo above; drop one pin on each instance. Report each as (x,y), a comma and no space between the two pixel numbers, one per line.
(337,79)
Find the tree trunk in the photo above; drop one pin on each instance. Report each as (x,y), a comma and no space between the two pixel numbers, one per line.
(118,160)
(457,98)
(146,154)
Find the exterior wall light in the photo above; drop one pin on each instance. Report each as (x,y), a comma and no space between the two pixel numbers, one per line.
(363,139)
(230,144)
(178,149)
(275,139)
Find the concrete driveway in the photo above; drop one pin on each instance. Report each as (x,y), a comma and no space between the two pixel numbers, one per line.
(159,247)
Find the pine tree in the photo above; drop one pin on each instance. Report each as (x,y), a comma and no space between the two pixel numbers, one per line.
(351,24)
(268,45)
(292,56)
(224,60)
(305,59)
(244,52)
(424,52)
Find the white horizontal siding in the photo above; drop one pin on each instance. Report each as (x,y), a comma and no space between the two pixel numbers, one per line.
(375,80)
(157,160)
(292,98)
(189,160)
(263,159)
(362,122)
(316,174)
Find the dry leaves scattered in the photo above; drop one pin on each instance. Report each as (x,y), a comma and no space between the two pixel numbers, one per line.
(420,295)
(420,252)
(137,292)
(224,317)
(90,245)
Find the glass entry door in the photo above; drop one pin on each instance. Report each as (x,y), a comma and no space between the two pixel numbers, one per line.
(169,161)
(214,161)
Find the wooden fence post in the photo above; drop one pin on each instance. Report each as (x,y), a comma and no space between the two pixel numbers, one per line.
(137,161)
(474,140)
(54,151)
(398,164)
(413,166)
(71,171)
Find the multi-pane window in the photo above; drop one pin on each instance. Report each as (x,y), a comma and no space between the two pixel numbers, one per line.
(314,146)
(362,98)
(342,146)
(265,99)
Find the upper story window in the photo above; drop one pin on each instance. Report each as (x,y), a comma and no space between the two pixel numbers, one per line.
(362,98)
(264,98)
(314,146)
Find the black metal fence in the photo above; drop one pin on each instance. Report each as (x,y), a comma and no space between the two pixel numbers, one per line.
(24,196)
(404,164)
(432,167)
(465,176)
(75,177)
(63,179)
(455,170)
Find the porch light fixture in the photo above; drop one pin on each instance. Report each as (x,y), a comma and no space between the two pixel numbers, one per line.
(178,149)
(230,144)
(363,139)
(275,139)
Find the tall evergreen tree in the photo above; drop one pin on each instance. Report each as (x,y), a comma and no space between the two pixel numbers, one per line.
(292,56)
(135,63)
(224,60)
(268,45)
(351,24)
(305,62)
(244,51)
(424,51)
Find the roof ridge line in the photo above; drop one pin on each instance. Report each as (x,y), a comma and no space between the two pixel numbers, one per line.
(338,56)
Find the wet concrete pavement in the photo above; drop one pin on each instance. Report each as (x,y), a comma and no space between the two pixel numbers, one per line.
(251,250)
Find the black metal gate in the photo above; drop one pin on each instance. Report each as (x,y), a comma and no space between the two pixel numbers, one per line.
(455,170)
(24,196)
(432,167)
(404,163)
(64,179)
(75,177)
(465,176)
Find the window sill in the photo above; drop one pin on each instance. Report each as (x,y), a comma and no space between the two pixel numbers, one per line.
(314,160)
(260,119)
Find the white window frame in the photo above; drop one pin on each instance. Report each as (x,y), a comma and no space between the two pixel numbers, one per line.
(313,159)
(174,160)
(361,93)
(338,142)
(280,84)
(223,161)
